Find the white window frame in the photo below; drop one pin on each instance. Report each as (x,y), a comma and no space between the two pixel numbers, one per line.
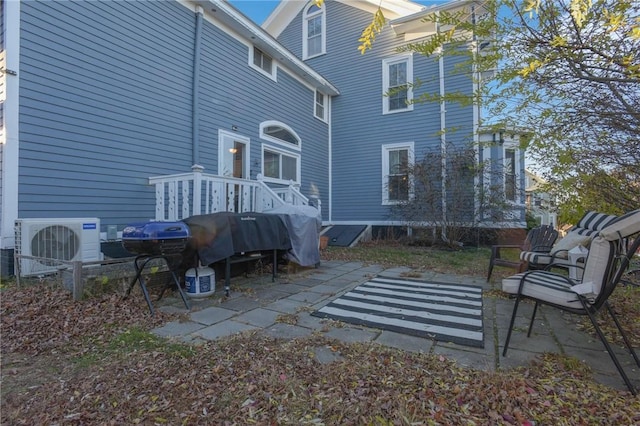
(280,152)
(281,142)
(409,146)
(273,74)
(386,63)
(316,104)
(306,17)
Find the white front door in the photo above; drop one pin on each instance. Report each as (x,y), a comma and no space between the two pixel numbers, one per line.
(233,155)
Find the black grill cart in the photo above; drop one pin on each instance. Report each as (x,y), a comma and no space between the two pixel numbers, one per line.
(156,240)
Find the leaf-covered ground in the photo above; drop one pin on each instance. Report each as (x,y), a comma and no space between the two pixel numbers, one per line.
(94,362)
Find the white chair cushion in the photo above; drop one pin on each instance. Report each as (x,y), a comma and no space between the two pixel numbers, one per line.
(600,255)
(626,225)
(568,242)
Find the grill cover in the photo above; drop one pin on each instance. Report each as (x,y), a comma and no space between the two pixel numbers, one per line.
(217,236)
(155,237)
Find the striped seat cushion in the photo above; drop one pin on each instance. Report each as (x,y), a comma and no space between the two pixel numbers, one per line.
(536,257)
(545,286)
(590,224)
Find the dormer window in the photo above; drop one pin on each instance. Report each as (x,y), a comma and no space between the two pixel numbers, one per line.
(313,31)
(262,62)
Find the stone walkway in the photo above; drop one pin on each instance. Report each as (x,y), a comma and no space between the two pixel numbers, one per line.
(259,304)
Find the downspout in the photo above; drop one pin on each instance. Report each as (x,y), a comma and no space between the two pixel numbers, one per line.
(196,168)
(195,110)
(330,134)
(443,123)
(475,76)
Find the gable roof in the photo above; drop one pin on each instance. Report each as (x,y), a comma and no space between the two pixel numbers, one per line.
(238,22)
(413,26)
(287,10)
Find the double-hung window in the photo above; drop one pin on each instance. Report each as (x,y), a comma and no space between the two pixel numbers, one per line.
(397,79)
(320,109)
(397,160)
(510,181)
(262,62)
(313,31)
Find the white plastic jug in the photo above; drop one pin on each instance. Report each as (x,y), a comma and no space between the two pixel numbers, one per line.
(200,282)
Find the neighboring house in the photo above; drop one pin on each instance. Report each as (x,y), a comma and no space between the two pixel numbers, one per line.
(134,110)
(540,204)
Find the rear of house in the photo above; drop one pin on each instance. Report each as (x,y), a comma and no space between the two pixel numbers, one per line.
(137,110)
(111,94)
(376,132)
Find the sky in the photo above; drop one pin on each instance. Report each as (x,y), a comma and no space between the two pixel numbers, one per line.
(258,10)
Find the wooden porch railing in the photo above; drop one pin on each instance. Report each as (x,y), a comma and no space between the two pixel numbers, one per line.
(182,195)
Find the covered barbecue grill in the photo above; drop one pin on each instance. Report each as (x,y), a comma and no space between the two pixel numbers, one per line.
(235,238)
(152,240)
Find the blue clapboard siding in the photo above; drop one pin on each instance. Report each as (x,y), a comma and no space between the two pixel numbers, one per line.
(106,103)
(235,94)
(359,127)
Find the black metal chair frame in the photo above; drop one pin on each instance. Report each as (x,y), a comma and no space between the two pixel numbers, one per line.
(589,307)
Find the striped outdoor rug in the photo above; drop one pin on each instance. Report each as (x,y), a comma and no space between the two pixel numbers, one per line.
(445,312)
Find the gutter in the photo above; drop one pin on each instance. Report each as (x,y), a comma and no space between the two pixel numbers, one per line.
(443,124)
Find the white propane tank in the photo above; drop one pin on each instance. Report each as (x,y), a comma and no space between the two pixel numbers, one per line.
(200,282)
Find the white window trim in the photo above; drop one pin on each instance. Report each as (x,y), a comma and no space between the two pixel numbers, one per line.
(305,25)
(325,99)
(269,138)
(385,170)
(274,74)
(281,152)
(408,58)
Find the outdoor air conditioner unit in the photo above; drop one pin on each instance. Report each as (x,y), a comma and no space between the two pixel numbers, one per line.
(54,242)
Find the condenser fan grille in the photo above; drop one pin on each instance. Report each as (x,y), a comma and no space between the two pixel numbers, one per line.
(55,242)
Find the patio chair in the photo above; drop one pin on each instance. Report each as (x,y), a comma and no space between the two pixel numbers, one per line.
(580,235)
(606,262)
(539,240)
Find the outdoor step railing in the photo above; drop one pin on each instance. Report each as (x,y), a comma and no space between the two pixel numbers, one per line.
(183,195)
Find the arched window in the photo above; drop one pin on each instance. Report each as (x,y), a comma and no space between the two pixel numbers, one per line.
(275,131)
(280,165)
(313,31)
